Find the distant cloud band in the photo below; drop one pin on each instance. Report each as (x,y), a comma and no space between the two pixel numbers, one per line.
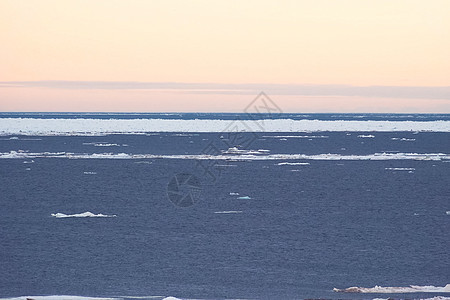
(414,92)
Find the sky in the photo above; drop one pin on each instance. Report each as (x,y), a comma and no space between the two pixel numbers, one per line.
(192,55)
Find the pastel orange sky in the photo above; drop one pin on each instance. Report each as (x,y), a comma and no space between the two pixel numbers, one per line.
(353,43)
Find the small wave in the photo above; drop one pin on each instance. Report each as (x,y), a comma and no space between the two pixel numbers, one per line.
(244,198)
(293,164)
(229,212)
(366,136)
(87,214)
(396,290)
(90,173)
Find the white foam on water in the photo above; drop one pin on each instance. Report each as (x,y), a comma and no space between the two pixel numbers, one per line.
(400,169)
(87,214)
(447,212)
(244,198)
(229,212)
(396,290)
(366,136)
(99,127)
(234,194)
(90,173)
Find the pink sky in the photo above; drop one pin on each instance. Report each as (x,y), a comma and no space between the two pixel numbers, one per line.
(387,43)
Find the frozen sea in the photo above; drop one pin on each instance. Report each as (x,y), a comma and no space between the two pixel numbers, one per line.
(224,206)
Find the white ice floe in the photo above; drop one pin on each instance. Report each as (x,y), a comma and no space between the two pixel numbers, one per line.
(244,198)
(403,139)
(87,214)
(101,144)
(366,136)
(235,150)
(98,127)
(297,136)
(230,156)
(293,164)
(229,212)
(397,290)
(400,169)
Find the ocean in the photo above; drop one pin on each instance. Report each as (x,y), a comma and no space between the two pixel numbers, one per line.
(224,206)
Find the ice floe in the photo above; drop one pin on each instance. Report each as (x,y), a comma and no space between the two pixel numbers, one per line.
(403,139)
(395,290)
(99,127)
(87,214)
(233,156)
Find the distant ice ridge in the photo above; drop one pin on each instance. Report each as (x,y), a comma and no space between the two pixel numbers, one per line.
(395,290)
(258,155)
(87,214)
(87,127)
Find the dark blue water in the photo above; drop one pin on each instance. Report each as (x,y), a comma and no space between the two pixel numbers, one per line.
(305,230)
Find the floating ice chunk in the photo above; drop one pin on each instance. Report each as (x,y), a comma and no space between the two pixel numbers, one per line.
(293,164)
(87,214)
(235,150)
(403,139)
(229,212)
(297,136)
(366,136)
(244,198)
(395,290)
